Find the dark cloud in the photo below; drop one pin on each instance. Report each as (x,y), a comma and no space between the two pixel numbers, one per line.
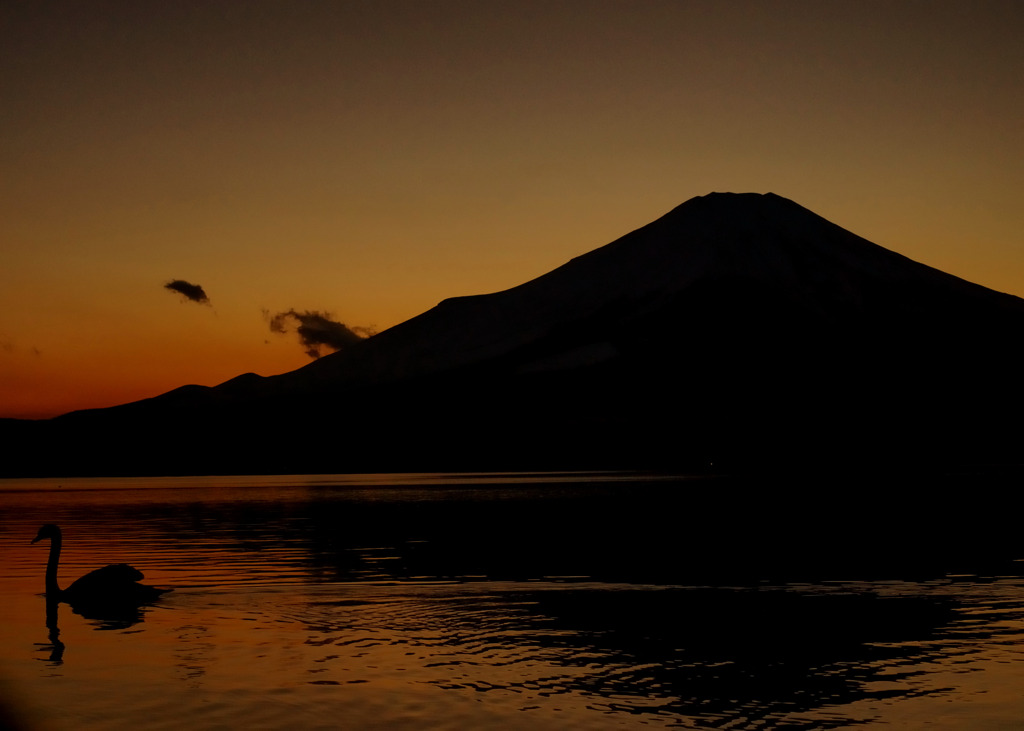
(188,290)
(317,330)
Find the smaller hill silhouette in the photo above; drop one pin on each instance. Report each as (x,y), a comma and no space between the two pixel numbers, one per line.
(738,329)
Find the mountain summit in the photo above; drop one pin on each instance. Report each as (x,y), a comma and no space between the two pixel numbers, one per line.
(737,328)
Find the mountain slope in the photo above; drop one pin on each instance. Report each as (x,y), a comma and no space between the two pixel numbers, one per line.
(737,328)
(762,241)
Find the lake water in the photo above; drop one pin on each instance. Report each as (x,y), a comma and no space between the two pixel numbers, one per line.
(507,601)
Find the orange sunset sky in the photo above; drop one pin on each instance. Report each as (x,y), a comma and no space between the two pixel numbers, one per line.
(369,159)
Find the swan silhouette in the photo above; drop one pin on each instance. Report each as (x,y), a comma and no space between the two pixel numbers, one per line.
(112,587)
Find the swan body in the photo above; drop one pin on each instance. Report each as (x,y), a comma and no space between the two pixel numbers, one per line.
(113,585)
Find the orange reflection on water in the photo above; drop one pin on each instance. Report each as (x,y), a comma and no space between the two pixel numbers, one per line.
(294,605)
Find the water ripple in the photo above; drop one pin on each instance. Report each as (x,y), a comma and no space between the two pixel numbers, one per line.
(376,606)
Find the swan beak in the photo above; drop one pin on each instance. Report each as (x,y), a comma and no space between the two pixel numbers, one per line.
(36,539)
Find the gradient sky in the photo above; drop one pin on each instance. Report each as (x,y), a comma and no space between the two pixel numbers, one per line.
(369,159)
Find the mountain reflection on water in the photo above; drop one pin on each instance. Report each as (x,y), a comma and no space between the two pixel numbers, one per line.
(556,603)
(657,530)
(749,655)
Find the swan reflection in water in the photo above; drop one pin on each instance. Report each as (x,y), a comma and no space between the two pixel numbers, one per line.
(112,594)
(56,647)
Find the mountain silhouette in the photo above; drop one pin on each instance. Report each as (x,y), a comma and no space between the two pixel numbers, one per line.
(740,330)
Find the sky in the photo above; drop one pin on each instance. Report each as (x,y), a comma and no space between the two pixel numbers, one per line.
(358,162)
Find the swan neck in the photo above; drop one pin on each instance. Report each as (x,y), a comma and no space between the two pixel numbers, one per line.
(52,589)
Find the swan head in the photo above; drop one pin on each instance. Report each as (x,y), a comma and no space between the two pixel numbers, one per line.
(47,531)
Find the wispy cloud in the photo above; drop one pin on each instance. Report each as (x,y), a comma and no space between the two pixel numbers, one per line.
(317,330)
(8,347)
(191,292)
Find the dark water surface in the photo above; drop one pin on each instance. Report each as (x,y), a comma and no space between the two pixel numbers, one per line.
(552,601)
